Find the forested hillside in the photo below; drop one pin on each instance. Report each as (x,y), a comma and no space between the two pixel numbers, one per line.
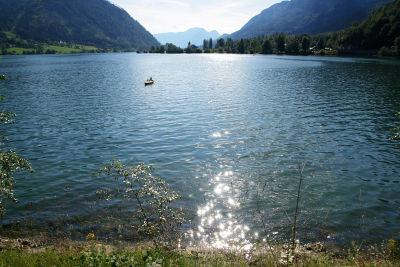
(381,30)
(91,22)
(307,16)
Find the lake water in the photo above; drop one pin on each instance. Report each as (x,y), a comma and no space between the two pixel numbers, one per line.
(228,132)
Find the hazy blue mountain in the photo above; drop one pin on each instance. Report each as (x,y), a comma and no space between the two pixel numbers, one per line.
(308,16)
(91,22)
(194,36)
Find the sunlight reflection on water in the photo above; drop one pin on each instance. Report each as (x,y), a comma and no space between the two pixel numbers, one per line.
(218,225)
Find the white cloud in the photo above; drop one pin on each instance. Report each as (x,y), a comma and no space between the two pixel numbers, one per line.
(225,16)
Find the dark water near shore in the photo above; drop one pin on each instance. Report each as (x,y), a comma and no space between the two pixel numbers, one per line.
(227,131)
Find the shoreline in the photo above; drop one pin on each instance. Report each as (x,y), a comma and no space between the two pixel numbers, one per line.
(339,55)
(61,252)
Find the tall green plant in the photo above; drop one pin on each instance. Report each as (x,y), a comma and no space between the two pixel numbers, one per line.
(159,220)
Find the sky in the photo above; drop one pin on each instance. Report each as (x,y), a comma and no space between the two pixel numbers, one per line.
(225,16)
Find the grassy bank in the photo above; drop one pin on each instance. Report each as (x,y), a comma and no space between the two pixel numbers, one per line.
(12,45)
(91,253)
(52,49)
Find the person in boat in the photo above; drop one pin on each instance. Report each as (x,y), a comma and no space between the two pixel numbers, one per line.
(149,81)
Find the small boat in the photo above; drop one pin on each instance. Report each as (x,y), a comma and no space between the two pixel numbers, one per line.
(148,82)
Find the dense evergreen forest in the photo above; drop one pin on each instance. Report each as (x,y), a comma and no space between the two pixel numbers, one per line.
(378,34)
(380,31)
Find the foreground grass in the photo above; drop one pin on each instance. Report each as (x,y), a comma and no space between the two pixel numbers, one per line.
(90,254)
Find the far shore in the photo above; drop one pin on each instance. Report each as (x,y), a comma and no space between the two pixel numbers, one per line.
(343,54)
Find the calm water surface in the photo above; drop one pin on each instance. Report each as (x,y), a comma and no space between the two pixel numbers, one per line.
(227,131)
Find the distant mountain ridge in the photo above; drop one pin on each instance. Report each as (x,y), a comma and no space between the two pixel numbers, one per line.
(307,16)
(90,22)
(194,36)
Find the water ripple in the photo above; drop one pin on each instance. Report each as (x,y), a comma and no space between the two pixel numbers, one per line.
(227,131)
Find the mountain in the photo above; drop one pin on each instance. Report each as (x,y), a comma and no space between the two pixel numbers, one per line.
(307,16)
(194,36)
(89,22)
(381,30)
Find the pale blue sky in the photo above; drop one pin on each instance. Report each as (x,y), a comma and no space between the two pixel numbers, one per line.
(225,16)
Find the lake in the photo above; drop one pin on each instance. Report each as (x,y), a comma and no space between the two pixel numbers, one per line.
(229,132)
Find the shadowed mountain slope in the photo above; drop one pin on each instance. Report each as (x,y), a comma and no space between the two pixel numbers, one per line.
(90,22)
(307,16)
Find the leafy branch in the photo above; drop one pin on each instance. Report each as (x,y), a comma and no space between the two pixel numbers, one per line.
(10,162)
(159,220)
